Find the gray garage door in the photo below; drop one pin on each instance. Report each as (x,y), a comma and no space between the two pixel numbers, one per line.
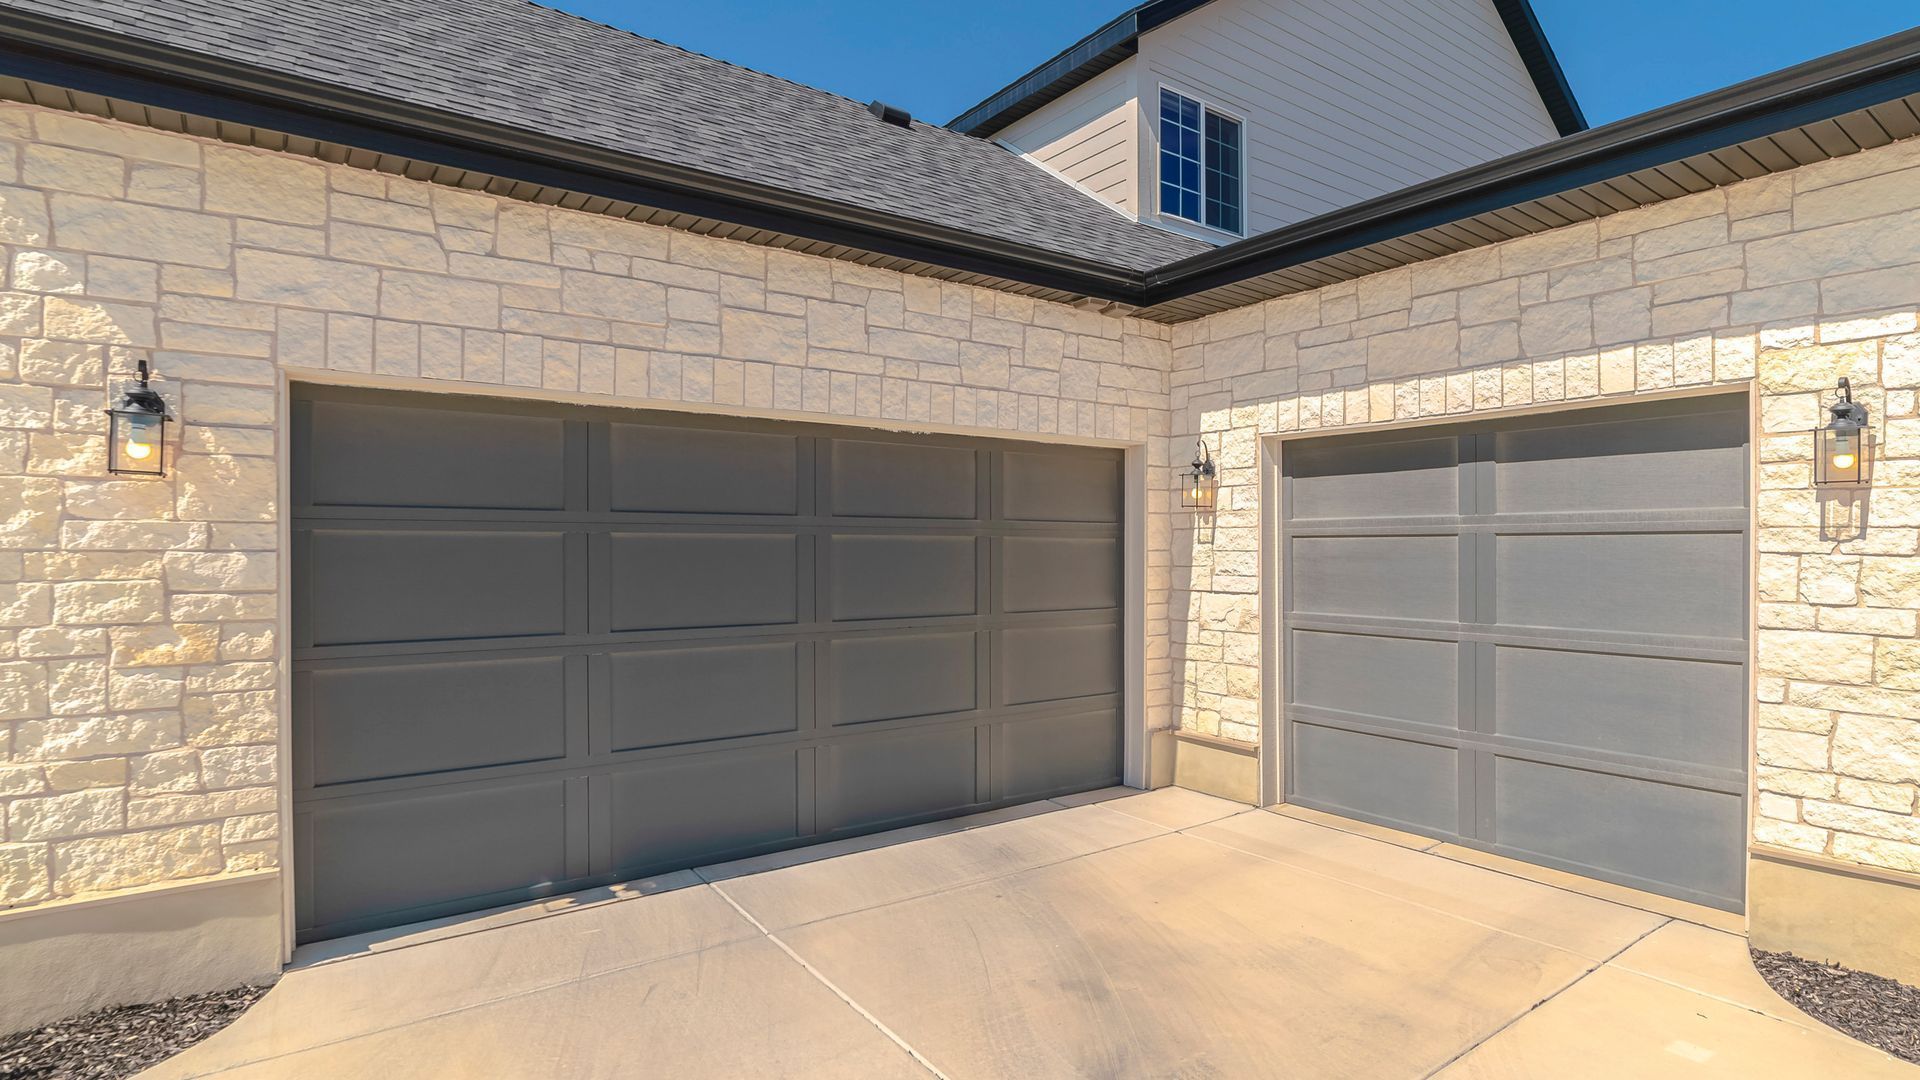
(1529,637)
(538,649)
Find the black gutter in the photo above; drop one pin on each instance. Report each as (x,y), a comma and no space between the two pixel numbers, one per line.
(47,50)
(1831,86)
(1537,53)
(79,58)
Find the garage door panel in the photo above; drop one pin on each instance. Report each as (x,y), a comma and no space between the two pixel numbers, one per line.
(1059,487)
(893,480)
(681,581)
(703,808)
(640,642)
(1041,573)
(1676,710)
(1586,695)
(1687,461)
(666,697)
(921,773)
(1398,577)
(1688,584)
(1052,754)
(1414,784)
(1344,672)
(894,676)
(1608,822)
(405,719)
(903,577)
(694,471)
(456,459)
(1392,479)
(1053,663)
(387,859)
(426,585)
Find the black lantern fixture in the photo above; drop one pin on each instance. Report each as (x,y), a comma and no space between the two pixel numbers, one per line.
(1843,449)
(1198,482)
(137,431)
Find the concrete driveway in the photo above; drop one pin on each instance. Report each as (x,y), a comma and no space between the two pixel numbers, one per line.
(1166,934)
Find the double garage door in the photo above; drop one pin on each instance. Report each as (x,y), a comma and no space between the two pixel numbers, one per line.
(1529,637)
(538,649)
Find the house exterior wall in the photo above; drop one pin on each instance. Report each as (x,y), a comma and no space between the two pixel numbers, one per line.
(1089,136)
(1779,285)
(140,694)
(141,699)
(1339,106)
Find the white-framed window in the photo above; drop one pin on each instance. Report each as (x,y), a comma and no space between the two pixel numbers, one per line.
(1201,163)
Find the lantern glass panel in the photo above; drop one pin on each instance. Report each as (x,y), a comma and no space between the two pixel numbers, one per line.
(1197,489)
(1842,455)
(139,443)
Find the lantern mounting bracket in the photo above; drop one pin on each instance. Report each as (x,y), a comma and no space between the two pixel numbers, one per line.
(143,397)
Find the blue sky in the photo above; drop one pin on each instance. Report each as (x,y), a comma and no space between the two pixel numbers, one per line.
(937,59)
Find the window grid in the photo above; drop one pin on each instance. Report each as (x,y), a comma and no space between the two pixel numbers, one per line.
(1180,191)
(1223,173)
(1199,163)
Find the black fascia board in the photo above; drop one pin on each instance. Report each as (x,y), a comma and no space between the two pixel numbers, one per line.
(1120,38)
(55,52)
(1085,58)
(64,54)
(1536,52)
(1074,65)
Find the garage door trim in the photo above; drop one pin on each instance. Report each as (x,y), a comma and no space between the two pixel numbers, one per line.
(1475,474)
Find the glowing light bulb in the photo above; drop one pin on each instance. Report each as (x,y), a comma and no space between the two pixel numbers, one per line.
(1843,462)
(138,450)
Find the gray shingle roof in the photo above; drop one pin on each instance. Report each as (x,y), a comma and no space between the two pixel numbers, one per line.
(518,64)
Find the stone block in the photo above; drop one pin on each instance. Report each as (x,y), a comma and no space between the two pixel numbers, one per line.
(23,216)
(276,187)
(102,863)
(135,231)
(306,282)
(1877,748)
(59,817)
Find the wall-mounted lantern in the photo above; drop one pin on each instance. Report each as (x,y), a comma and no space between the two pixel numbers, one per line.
(1843,450)
(137,431)
(1199,482)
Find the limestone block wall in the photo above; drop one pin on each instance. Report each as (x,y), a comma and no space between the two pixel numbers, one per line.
(139,692)
(1782,284)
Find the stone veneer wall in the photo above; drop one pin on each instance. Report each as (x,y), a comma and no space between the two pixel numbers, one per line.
(139,707)
(1782,284)
(139,703)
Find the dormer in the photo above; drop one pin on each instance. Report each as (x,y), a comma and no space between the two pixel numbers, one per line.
(1220,119)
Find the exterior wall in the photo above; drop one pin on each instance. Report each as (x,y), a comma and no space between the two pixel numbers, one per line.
(1782,285)
(1090,137)
(1343,104)
(140,696)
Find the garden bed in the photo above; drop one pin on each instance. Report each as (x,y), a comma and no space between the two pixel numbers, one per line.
(121,1041)
(1877,1011)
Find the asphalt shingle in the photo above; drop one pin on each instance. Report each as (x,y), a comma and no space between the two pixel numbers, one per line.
(537,69)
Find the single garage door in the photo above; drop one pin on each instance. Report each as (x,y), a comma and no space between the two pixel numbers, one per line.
(1529,637)
(542,648)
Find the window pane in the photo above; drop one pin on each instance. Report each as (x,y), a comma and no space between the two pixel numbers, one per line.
(1181,168)
(1223,185)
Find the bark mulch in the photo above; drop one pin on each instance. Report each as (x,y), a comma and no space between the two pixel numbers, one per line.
(113,1043)
(1877,1011)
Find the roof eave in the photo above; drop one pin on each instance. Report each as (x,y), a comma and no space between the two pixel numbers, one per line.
(48,50)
